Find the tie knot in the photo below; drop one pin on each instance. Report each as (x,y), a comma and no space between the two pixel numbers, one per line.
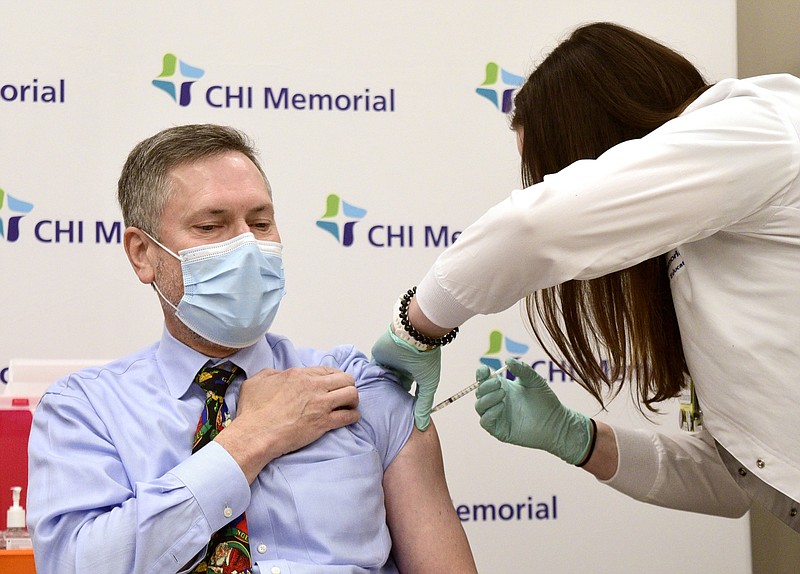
(217,378)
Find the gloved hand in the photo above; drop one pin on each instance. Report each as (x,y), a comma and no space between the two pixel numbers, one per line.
(410,363)
(526,412)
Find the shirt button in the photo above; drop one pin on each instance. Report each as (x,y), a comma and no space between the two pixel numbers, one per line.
(228,512)
(275,570)
(262,548)
(760,463)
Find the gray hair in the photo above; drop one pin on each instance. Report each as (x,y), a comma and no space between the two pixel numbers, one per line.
(144,187)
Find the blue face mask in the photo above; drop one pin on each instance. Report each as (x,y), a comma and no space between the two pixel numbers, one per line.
(231,290)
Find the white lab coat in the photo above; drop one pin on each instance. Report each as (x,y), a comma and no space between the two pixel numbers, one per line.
(720,185)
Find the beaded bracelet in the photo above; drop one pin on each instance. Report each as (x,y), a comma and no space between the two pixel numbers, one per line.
(429,342)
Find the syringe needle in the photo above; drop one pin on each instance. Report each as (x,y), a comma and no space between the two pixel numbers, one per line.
(467,390)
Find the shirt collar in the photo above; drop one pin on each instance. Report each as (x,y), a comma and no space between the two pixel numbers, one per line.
(179,363)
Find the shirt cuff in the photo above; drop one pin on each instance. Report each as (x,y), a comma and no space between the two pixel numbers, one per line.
(217,484)
(438,304)
(637,466)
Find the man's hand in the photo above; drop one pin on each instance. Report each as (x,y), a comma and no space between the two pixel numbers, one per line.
(409,363)
(281,411)
(526,412)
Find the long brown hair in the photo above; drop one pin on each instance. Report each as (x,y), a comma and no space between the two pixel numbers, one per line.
(603,85)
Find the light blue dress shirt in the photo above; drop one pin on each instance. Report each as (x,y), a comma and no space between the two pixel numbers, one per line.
(114,487)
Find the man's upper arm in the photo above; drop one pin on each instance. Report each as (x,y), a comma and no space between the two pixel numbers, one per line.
(427,535)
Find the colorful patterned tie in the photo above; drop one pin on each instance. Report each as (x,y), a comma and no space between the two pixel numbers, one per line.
(229,549)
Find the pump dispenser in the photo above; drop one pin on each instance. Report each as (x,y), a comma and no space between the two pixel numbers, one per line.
(15,536)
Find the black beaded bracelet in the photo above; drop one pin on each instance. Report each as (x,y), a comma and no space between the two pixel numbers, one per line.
(405,300)
(591,445)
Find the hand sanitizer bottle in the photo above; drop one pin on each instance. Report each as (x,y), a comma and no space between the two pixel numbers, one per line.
(16,535)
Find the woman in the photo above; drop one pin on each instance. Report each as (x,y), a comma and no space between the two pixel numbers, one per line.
(659,230)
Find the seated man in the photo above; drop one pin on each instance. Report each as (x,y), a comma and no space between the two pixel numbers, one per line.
(223,448)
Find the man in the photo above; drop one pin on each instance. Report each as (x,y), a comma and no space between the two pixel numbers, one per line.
(302,459)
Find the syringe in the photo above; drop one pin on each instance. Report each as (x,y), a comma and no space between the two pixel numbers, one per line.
(467,390)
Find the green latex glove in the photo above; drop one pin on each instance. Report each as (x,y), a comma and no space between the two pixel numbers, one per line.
(409,363)
(527,412)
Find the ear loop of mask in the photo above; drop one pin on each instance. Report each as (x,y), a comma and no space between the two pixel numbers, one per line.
(162,246)
(164,299)
(154,284)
